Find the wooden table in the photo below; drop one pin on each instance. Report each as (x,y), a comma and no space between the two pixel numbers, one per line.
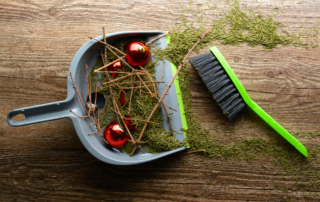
(47,162)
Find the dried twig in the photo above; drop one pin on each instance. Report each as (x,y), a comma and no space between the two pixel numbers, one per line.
(165,92)
(144,121)
(164,107)
(95,99)
(168,117)
(92,108)
(107,65)
(102,57)
(129,100)
(117,111)
(74,86)
(164,64)
(86,116)
(129,109)
(104,108)
(140,142)
(134,87)
(120,78)
(108,45)
(98,119)
(149,77)
(89,87)
(134,70)
(110,48)
(126,64)
(105,40)
(137,82)
(132,118)
(152,95)
(114,72)
(162,101)
(85,100)
(93,132)
(116,106)
(151,41)
(141,85)
(88,111)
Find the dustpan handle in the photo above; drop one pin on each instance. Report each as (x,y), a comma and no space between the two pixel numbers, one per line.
(40,113)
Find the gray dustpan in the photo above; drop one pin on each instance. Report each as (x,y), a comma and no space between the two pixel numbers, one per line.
(88,54)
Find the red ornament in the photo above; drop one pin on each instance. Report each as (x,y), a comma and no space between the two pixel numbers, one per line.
(114,134)
(129,123)
(138,53)
(122,100)
(114,67)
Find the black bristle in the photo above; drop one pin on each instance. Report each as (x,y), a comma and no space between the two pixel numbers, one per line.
(201,60)
(224,93)
(214,89)
(213,74)
(219,84)
(236,111)
(209,66)
(225,106)
(229,103)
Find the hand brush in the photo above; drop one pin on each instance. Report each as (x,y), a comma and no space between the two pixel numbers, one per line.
(230,94)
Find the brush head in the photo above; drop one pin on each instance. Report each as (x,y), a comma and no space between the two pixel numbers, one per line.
(219,84)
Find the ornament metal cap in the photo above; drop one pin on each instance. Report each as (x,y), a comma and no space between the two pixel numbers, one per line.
(142,49)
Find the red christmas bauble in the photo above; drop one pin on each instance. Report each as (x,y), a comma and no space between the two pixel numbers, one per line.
(138,53)
(122,99)
(114,134)
(114,67)
(117,65)
(129,123)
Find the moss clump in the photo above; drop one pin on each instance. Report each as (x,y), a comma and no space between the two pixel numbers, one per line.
(236,26)
(142,104)
(306,134)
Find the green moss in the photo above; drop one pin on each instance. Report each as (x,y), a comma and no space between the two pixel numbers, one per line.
(142,104)
(306,134)
(236,26)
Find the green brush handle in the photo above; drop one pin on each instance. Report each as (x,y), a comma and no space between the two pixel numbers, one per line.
(258,110)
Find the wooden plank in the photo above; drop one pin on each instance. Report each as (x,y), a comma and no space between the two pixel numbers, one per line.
(47,162)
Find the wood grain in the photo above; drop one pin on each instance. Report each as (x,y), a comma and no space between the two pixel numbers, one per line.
(47,162)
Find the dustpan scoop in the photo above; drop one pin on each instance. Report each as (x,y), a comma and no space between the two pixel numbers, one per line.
(88,54)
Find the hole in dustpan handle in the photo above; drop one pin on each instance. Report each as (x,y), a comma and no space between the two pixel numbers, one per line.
(40,113)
